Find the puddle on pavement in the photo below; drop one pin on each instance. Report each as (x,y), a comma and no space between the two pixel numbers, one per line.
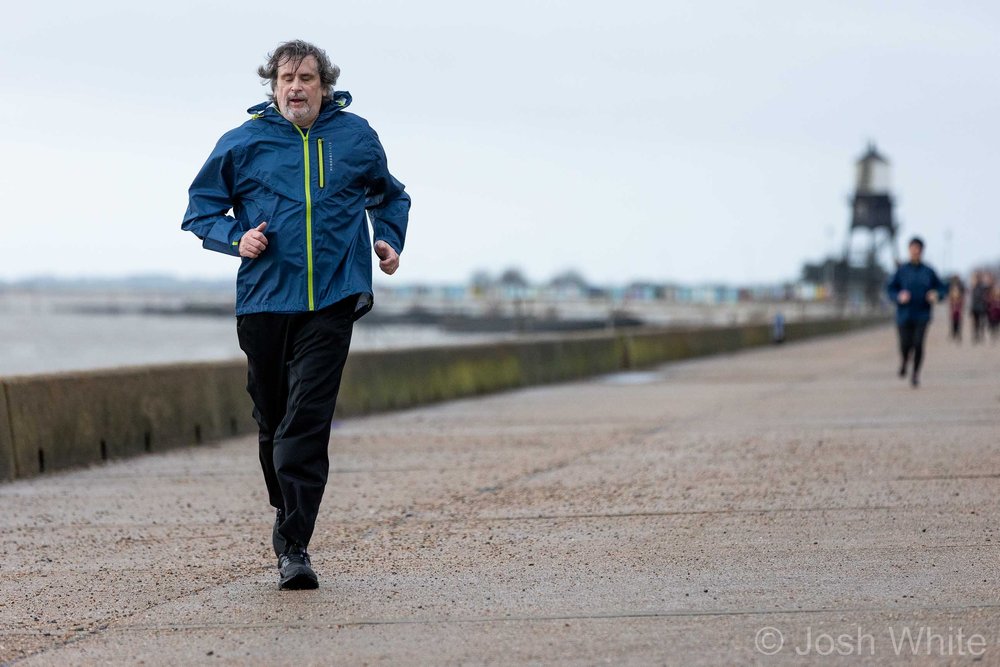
(632,377)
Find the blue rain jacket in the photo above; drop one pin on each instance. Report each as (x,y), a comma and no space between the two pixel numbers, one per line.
(312,187)
(918,280)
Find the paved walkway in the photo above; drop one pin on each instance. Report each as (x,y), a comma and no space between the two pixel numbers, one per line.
(671,517)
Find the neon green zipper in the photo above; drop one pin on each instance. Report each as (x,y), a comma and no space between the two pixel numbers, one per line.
(309,239)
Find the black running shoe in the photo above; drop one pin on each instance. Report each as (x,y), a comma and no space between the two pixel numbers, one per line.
(277,539)
(296,570)
(915,380)
(902,371)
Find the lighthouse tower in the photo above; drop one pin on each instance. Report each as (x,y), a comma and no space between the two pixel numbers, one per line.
(871,219)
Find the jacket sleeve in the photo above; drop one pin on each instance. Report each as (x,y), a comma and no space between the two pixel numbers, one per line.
(893,287)
(939,285)
(387,203)
(210,198)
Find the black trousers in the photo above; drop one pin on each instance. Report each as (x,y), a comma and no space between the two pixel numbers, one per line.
(911,339)
(294,365)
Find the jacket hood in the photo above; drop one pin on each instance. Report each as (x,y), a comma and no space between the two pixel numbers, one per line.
(340,99)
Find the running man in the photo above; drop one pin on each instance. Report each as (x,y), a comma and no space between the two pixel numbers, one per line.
(287,192)
(914,288)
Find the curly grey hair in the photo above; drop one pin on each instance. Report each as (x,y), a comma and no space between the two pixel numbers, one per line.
(295,51)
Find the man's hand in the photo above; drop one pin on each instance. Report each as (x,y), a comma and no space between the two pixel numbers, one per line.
(932,297)
(254,242)
(389,257)
(904,296)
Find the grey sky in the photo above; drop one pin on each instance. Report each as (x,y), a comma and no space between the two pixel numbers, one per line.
(663,140)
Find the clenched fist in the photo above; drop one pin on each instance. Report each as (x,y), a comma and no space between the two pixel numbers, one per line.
(389,257)
(254,242)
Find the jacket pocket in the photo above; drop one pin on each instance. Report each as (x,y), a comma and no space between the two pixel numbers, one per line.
(321,162)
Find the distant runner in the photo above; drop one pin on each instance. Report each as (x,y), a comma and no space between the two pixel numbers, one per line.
(915,288)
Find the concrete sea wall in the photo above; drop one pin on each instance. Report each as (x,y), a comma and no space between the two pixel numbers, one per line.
(53,422)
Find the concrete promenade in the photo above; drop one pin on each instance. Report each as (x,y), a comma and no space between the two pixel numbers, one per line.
(697,514)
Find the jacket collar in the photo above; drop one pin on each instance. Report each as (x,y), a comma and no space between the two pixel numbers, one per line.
(341,99)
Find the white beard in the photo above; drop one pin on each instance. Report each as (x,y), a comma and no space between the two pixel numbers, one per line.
(297,115)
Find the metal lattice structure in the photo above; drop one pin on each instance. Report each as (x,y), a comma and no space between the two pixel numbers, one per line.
(864,265)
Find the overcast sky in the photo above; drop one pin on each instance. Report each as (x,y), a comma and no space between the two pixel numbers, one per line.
(686,141)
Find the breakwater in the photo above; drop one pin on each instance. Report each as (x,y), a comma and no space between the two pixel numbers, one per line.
(59,421)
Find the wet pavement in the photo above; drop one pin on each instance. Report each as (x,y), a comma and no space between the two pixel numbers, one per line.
(799,503)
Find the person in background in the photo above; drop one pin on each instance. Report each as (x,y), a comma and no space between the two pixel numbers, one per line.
(778,328)
(956,301)
(993,312)
(977,306)
(914,288)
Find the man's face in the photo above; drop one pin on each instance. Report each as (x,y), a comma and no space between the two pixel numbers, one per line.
(916,251)
(298,91)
